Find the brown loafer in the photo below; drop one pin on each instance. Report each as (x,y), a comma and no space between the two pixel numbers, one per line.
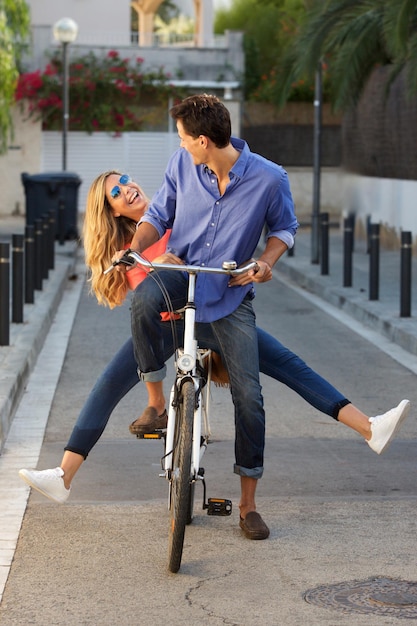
(148,422)
(253,526)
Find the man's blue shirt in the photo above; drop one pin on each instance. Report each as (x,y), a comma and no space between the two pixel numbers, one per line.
(208,228)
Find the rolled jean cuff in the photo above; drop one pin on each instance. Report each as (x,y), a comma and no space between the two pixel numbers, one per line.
(153,377)
(339,406)
(255,472)
(76,451)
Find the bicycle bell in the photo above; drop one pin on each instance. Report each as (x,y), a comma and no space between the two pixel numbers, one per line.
(229,265)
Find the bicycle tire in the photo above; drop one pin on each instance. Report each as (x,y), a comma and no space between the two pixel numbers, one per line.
(181,475)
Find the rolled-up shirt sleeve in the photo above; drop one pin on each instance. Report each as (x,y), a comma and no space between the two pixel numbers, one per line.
(285,236)
(281,220)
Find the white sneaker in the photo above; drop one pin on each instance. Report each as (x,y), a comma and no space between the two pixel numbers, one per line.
(49,482)
(384,427)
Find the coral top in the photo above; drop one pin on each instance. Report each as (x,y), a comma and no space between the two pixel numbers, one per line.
(137,274)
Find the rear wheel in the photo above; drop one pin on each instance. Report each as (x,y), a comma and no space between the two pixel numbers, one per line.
(181,476)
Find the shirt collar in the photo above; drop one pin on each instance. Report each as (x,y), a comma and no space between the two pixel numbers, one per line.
(239,166)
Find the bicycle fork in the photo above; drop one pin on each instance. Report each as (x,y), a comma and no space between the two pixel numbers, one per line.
(198,447)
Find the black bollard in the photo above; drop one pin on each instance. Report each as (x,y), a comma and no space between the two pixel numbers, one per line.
(51,240)
(29,264)
(368,234)
(45,246)
(17,278)
(61,222)
(324,241)
(4,294)
(38,254)
(347,251)
(352,217)
(373,261)
(405,280)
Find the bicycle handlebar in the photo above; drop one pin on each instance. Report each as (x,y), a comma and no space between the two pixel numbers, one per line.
(229,267)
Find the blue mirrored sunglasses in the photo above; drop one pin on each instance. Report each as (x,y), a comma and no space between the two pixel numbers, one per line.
(123,180)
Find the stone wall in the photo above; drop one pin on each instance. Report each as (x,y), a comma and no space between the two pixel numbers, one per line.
(380,135)
(286,135)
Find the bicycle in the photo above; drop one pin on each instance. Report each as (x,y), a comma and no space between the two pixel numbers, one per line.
(188,428)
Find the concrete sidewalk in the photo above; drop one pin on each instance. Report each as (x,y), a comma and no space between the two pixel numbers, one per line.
(382,315)
(26,340)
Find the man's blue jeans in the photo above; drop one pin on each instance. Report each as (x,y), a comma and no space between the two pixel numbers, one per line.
(237,341)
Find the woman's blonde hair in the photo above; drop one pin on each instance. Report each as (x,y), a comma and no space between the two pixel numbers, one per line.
(103,235)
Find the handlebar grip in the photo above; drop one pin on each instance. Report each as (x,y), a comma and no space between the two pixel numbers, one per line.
(126,259)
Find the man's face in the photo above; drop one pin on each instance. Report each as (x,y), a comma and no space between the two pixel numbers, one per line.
(193,145)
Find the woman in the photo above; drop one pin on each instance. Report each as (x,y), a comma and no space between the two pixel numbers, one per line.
(114,205)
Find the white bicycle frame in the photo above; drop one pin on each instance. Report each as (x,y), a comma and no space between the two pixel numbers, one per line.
(186,367)
(187,361)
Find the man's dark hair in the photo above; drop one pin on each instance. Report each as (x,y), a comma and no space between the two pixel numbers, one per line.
(204,115)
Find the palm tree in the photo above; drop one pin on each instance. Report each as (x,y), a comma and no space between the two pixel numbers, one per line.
(401,34)
(353,37)
(370,48)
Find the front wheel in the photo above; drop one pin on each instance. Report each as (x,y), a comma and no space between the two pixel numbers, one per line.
(181,475)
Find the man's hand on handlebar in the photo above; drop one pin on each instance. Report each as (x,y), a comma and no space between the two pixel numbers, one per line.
(259,274)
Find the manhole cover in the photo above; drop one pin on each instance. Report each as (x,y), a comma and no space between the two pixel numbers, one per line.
(379,596)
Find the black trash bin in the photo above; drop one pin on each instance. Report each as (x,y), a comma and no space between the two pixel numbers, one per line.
(53,191)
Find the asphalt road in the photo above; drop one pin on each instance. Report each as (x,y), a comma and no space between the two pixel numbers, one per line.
(337,512)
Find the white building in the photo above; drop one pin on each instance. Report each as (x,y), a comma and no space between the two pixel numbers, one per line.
(108,23)
(205,63)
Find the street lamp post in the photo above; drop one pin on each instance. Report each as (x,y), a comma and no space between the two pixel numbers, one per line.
(318,100)
(65,31)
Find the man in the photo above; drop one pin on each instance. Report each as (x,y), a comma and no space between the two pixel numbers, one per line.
(216,197)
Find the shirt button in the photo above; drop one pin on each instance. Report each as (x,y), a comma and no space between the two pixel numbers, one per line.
(208,245)
(212,224)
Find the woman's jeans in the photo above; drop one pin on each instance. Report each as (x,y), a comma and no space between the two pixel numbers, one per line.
(120,376)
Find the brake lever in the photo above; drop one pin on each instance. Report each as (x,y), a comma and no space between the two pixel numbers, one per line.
(125,260)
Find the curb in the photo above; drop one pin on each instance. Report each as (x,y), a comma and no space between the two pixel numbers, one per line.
(27,339)
(372,314)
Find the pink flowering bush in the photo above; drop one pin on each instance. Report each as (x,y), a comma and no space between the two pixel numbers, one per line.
(105,93)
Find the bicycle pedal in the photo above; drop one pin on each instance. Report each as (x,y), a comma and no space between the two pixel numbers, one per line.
(157,434)
(219,506)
